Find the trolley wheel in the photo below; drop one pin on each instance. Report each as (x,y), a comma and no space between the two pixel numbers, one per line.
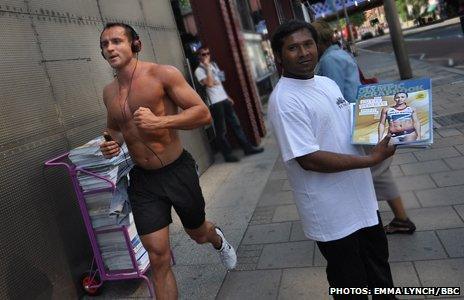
(86,280)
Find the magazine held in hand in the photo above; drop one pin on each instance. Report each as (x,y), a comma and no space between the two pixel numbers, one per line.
(402,108)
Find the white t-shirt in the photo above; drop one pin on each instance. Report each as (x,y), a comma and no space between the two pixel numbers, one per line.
(215,93)
(311,115)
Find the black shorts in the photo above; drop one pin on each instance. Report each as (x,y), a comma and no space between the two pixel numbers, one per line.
(153,192)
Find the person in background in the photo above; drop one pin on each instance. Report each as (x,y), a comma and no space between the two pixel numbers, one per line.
(221,106)
(341,67)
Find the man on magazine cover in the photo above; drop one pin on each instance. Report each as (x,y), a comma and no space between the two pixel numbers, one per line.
(403,123)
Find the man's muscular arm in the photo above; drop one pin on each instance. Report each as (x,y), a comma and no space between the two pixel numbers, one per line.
(195,113)
(330,162)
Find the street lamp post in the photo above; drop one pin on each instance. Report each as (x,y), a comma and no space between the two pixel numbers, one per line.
(396,36)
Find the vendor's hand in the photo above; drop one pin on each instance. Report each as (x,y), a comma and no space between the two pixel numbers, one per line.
(110,149)
(231,101)
(145,119)
(383,150)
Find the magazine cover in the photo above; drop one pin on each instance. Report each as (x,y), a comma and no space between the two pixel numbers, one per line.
(403,108)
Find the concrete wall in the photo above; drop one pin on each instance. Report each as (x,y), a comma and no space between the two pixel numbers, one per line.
(52,77)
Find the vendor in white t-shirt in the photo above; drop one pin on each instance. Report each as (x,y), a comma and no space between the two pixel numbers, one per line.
(221,106)
(330,178)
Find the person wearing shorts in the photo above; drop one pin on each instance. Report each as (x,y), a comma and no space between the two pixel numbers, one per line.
(339,66)
(387,190)
(153,192)
(146,105)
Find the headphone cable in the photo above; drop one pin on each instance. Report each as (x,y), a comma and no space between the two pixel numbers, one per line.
(124,113)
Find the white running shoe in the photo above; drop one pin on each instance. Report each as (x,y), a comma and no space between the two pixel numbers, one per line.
(227,252)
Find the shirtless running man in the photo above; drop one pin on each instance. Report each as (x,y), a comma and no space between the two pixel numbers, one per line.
(142,111)
(403,123)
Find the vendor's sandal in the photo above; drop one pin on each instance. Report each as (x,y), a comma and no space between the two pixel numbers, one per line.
(400,226)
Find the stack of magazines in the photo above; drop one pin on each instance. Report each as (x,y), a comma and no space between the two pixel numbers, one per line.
(403,109)
(109,209)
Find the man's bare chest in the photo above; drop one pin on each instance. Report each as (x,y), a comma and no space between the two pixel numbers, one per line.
(124,102)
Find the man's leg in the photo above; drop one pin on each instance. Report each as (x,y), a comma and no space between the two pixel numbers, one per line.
(157,245)
(386,189)
(374,250)
(397,208)
(219,119)
(345,267)
(234,122)
(209,233)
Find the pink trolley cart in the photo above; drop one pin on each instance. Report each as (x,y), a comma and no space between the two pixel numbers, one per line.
(93,280)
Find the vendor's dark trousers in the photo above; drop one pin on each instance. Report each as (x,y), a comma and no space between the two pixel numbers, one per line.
(223,112)
(359,260)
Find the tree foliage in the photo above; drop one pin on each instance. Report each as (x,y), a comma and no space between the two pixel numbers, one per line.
(411,9)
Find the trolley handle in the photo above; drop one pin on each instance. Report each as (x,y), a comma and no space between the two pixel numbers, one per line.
(58,161)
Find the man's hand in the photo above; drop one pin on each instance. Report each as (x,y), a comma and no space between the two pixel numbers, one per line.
(110,149)
(232,102)
(144,119)
(383,150)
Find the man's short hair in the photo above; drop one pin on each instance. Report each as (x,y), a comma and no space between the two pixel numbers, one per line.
(128,30)
(287,28)
(325,32)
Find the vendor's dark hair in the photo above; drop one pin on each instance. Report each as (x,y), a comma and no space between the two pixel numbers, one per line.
(287,28)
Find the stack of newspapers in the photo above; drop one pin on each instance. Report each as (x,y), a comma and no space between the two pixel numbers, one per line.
(109,209)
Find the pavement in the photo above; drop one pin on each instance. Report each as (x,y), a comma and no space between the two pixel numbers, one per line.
(252,202)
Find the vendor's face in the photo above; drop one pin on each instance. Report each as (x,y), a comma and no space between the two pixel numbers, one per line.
(299,55)
(400,98)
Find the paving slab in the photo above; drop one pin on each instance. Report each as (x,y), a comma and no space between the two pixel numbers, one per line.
(319,259)
(417,182)
(285,213)
(268,233)
(431,166)
(432,154)
(453,241)
(404,274)
(460,210)
(409,201)
(444,272)
(430,218)
(403,158)
(448,141)
(297,233)
(441,196)
(276,198)
(446,132)
(304,283)
(449,178)
(418,246)
(287,255)
(199,282)
(455,163)
(251,285)
(460,148)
